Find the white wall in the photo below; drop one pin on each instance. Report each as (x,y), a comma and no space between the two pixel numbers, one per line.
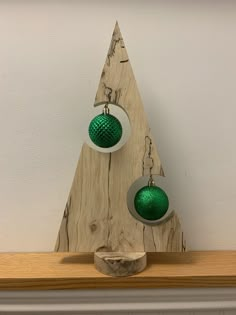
(51,57)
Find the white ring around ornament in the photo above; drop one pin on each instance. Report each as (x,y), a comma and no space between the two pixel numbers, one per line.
(121,115)
(134,188)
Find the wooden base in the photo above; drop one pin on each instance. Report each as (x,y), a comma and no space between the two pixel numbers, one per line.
(117,264)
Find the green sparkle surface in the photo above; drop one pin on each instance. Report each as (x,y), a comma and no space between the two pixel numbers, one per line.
(105,130)
(151,202)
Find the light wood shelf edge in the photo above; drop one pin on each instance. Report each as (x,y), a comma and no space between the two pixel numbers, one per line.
(55,271)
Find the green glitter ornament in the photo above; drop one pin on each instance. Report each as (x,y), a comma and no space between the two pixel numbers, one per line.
(105,130)
(151,202)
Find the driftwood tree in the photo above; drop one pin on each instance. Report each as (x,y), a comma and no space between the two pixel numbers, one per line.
(96,217)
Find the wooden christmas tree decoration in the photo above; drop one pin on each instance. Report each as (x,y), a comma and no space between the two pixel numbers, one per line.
(96,217)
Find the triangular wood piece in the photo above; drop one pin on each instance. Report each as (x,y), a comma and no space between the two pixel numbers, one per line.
(96,217)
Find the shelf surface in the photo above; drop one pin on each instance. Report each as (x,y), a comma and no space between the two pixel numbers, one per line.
(54,271)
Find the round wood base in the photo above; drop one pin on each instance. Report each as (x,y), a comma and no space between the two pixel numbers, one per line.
(118,264)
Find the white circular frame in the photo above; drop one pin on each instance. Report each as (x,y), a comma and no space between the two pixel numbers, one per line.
(117,111)
(134,188)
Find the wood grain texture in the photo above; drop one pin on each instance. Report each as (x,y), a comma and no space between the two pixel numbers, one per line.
(96,217)
(76,271)
(120,264)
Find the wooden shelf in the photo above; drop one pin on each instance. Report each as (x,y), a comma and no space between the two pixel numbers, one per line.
(52,271)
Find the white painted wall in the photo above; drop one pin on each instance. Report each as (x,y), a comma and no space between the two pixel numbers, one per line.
(51,57)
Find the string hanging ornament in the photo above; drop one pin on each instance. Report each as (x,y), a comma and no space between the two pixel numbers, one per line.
(151,202)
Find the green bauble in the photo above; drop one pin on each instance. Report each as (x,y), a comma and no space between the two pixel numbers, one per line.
(105,130)
(151,202)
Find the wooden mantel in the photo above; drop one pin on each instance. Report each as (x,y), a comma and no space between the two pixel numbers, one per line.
(53,271)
